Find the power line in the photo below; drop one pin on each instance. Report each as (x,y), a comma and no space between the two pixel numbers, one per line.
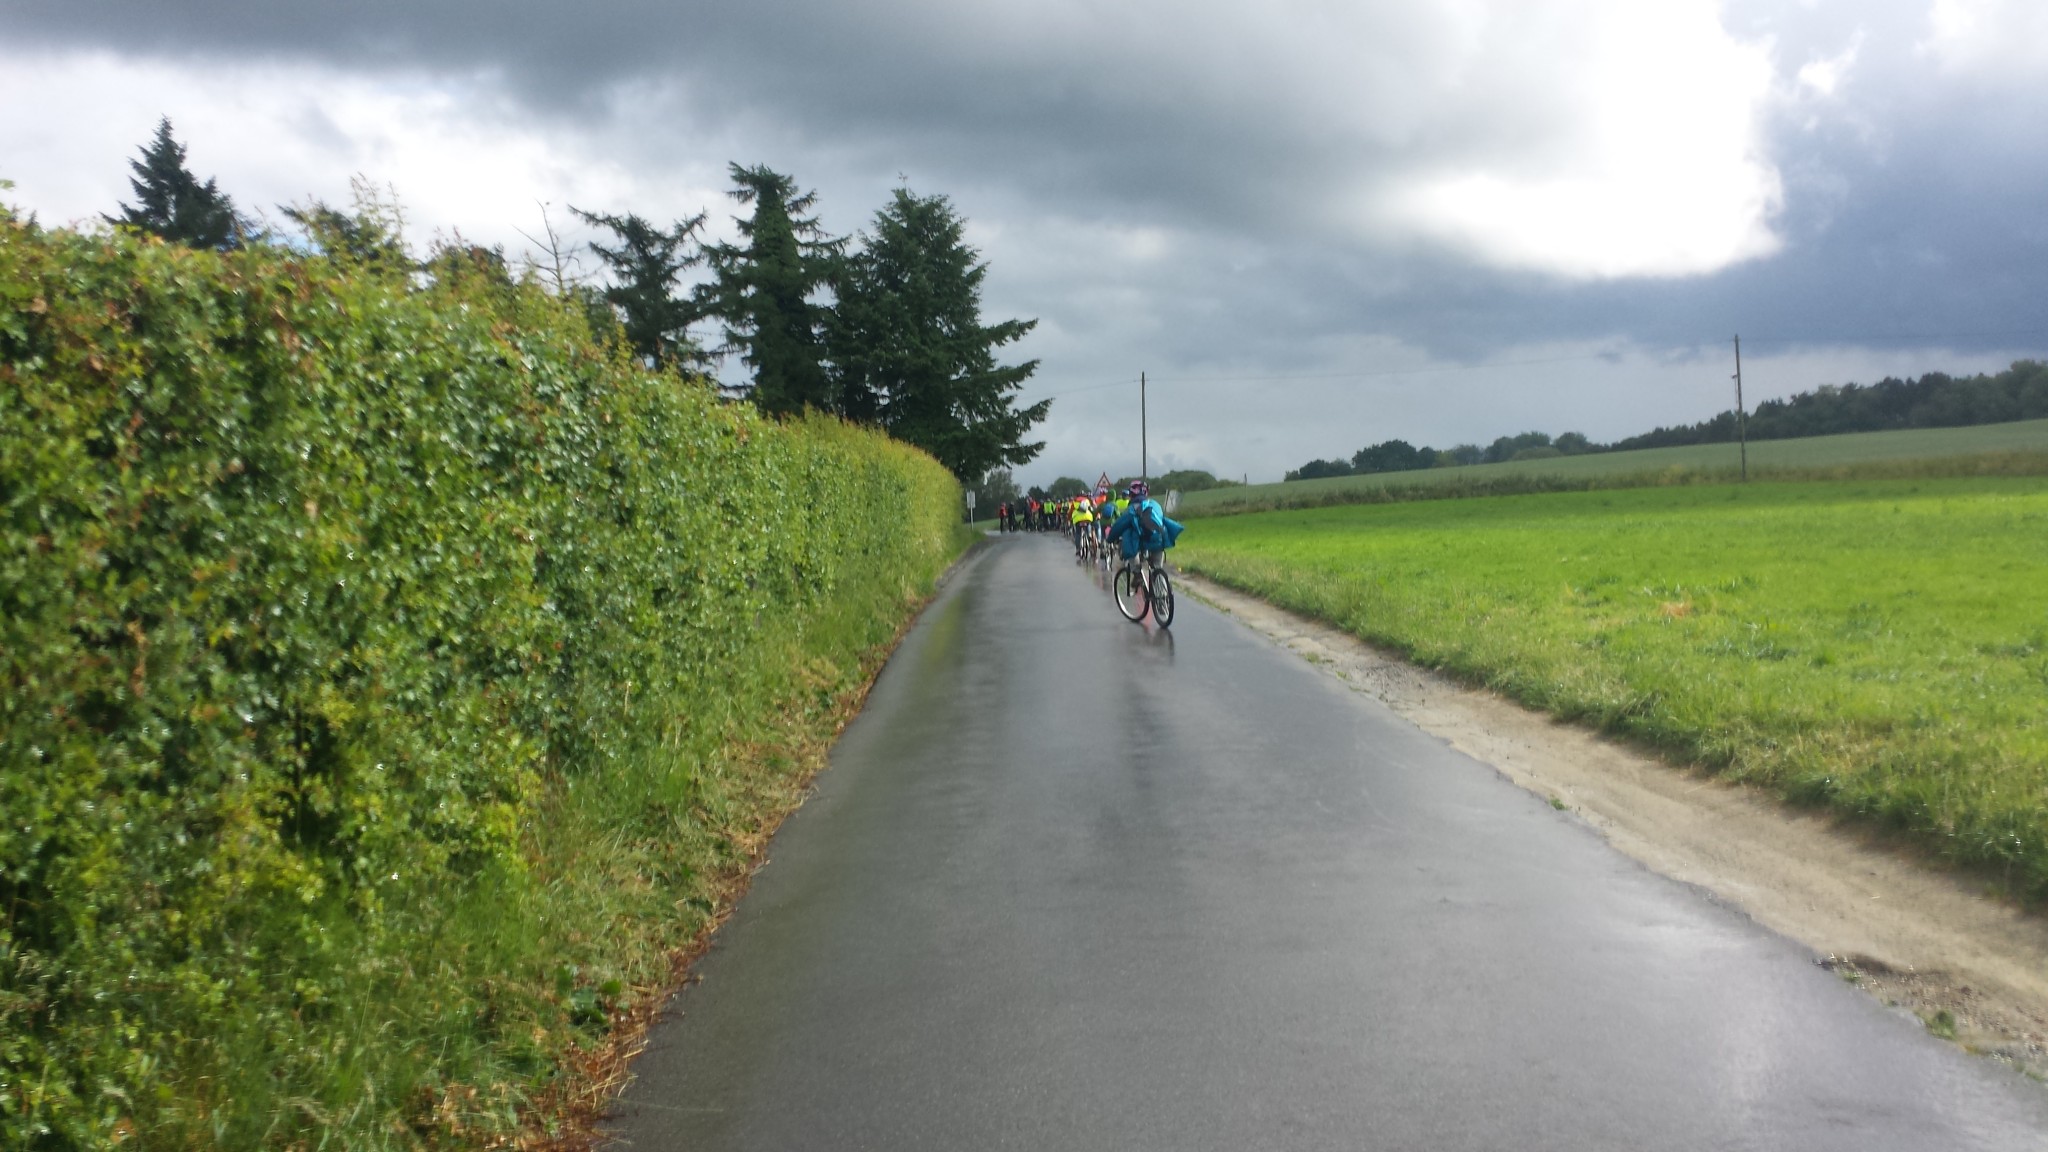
(1885,337)
(1386,371)
(1125,383)
(1312,376)
(1457,368)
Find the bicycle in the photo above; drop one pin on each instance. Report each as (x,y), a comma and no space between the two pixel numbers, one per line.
(1142,586)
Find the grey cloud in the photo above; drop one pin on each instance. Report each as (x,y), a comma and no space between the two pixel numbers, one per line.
(1914,202)
(1195,113)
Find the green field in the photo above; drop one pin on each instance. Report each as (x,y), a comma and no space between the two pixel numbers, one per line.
(2020,447)
(1877,647)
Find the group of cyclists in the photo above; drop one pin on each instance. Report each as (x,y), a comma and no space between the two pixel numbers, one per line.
(1030,514)
(1131,522)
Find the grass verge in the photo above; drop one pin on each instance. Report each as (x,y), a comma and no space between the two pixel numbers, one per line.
(609,853)
(1878,648)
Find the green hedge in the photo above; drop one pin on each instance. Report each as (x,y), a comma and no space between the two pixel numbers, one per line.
(375,650)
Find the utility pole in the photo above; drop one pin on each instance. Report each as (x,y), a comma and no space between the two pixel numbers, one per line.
(1144,449)
(1741,419)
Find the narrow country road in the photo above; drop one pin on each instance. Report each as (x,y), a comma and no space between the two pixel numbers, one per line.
(1073,883)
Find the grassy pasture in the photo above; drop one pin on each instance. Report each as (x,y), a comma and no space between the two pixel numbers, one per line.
(1876,647)
(2020,447)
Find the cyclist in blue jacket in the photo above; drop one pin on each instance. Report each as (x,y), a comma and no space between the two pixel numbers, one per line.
(1143,526)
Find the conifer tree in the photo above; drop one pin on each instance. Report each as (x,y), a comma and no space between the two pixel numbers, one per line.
(172,203)
(908,344)
(645,266)
(763,291)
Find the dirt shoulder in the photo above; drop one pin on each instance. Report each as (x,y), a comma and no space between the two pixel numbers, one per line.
(1918,938)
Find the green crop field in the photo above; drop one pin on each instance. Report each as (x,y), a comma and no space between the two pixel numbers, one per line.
(2020,447)
(1878,647)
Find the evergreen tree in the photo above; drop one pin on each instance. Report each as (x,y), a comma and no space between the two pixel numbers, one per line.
(763,288)
(172,203)
(909,348)
(645,266)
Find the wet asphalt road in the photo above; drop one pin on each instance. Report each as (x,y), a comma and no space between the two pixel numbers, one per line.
(1073,883)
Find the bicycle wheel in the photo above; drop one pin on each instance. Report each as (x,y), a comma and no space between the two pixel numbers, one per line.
(1131,599)
(1162,598)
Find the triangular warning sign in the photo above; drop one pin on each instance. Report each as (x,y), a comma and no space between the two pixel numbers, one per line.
(1102,482)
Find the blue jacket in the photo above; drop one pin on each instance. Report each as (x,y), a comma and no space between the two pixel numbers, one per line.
(1154,534)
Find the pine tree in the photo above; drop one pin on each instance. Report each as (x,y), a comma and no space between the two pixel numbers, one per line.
(908,343)
(763,291)
(645,266)
(173,204)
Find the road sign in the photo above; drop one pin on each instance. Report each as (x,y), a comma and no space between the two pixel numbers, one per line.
(1102,482)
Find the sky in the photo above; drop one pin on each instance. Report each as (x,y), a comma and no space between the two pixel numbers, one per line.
(1311,225)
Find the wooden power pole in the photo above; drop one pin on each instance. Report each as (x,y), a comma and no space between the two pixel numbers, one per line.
(1741,419)
(1144,449)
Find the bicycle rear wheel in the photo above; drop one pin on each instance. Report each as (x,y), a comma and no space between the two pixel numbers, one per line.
(1162,598)
(1131,597)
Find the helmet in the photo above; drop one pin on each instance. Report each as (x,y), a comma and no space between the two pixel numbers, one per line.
(1138,490)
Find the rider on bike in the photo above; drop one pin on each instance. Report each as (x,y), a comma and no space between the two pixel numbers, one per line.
(1143,526)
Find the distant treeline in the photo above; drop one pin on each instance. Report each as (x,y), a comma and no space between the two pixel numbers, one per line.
(1936,400)
(1401,456)
(1181,479)
(1000,487)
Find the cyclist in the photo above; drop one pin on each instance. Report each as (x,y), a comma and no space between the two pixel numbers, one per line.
(1084,523)
(1143,526)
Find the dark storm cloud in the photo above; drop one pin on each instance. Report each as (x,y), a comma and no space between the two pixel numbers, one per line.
(1060,106)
